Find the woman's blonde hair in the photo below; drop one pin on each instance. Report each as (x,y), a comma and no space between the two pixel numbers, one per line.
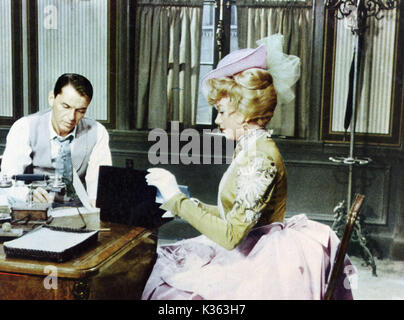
(251,93)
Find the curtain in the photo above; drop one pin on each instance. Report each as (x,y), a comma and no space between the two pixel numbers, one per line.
(259,19)
(376,82)
(61,50)
(168,40)
(6,62)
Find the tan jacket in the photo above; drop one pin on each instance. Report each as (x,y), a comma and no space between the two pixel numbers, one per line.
(252,192)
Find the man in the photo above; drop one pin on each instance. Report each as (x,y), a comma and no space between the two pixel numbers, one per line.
(39,143)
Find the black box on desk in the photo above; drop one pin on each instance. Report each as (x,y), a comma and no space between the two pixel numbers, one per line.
(123,196)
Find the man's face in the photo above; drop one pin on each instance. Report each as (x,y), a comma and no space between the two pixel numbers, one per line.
(68,108)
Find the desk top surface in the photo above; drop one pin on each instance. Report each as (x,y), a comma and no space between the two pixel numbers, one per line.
(110,245)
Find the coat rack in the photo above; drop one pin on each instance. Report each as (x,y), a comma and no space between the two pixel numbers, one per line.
(356,13)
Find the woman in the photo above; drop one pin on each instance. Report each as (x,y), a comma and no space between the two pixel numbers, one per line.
(247,250)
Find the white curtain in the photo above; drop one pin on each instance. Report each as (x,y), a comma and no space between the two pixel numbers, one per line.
(6,61)
(374,110)
(259,19)
(168,40)
(73,38)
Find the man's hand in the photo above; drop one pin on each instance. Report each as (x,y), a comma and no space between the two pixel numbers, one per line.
(41,195)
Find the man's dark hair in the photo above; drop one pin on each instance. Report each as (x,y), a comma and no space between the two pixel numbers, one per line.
(77,81)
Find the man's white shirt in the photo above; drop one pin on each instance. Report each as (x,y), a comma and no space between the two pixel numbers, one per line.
(16,156)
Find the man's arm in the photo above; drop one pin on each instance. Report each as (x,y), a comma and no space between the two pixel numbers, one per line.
(16,156)
(100,156)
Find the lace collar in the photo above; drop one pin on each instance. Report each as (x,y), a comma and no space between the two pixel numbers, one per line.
(249,137)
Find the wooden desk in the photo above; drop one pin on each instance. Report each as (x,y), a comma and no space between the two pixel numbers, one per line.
(117,267)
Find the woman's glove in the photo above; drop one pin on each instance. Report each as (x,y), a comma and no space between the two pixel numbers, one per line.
(164,181)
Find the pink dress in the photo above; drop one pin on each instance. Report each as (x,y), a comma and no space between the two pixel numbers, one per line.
(290,260)
(272,258)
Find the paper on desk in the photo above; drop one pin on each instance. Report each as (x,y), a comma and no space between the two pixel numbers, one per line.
(71,211)
(45,239)
(4,206)
(80,191)
(73,217)
(183,189)
(16,195)
(160,200)
(3,200)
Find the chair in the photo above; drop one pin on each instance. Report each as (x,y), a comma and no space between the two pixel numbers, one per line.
(343,246)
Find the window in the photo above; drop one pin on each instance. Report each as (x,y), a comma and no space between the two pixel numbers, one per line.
(204,111)
(168,44)
(73,38)
(10,62)
(245,22)
(6,61)
(46,38)
(379,97)
(209,50)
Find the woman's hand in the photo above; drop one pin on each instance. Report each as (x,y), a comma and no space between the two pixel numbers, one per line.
(164,181)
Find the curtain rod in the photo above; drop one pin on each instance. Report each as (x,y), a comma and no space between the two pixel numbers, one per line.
(277,4)
(271,4)
(168,5)
(171,4)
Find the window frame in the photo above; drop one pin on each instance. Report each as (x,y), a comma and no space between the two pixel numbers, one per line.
(317,9)
(226,46)
(32,62)
(17,62)
(396,117)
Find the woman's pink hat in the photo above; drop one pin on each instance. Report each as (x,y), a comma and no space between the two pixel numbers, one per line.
(236,62)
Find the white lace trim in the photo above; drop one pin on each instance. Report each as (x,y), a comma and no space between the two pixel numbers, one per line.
(246,141)
(252,183)
(251,136)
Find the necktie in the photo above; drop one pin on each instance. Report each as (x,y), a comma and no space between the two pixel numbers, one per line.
(64,167)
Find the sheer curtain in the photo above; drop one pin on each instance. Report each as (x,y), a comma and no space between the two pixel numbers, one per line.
(376,86)
(260,18)
(73,37)
(168,40)
(6,62)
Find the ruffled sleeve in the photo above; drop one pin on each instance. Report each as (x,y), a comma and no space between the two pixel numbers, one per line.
(253,181)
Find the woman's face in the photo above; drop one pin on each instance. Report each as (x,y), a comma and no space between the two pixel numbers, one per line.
(229,121)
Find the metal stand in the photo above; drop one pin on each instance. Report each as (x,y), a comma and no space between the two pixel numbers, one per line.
(343,247)
(340,219)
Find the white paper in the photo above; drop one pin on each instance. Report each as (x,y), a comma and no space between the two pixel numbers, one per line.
(160,199)
(17,194)
(4,207)
(168,214)
(71,211)
(45,239)
(80,191)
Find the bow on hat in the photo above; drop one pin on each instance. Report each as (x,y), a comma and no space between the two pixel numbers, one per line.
(284,68)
